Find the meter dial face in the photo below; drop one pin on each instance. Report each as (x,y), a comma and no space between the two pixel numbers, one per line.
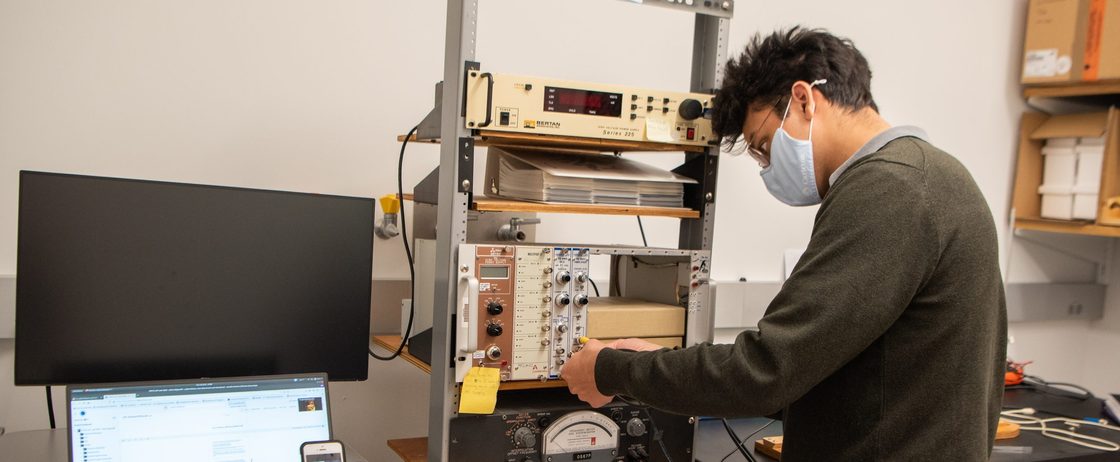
(580,432)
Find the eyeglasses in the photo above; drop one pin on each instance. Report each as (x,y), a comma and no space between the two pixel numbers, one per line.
(762,156)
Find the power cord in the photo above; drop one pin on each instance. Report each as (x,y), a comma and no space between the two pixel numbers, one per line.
(1058,388)
(642,229)
(1023,417)
(738,443)
(407,252)
(50,407)
(659,437)
(740,446)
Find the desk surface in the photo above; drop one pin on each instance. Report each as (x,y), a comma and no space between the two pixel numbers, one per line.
(50,446)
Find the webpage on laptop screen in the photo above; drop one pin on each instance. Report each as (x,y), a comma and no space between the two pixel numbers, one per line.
(223,421)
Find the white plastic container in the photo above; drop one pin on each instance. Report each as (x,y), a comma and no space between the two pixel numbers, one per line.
(1089,162)
(1060,168)
(1061,142)
(1095,141)
(1057,203)
(1085,206)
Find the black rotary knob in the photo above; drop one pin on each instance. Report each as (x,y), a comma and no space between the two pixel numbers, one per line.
(494,330)
(690,109)
(494,308)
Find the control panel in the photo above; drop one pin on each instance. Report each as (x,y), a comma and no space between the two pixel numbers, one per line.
(522,308)
(511,103)
(718,8)
(617,432)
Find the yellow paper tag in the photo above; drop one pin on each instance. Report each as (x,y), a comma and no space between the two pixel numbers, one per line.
(479,394)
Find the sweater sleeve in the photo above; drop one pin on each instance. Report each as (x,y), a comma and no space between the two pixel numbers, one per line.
(873,246)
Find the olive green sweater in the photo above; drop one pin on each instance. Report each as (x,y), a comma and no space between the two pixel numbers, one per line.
(886,343)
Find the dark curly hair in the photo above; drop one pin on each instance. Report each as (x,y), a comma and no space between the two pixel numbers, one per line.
(763,74)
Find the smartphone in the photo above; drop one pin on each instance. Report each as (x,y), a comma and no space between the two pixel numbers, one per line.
(322,451)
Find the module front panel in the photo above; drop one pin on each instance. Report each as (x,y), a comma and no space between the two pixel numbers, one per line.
(544,106)
(525,310)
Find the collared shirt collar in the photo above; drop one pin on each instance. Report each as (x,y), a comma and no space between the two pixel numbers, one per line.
(876,144)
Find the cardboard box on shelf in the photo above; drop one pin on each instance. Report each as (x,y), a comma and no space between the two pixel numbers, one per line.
(667,342)
(1071,41)
(616,317)
(1034,130)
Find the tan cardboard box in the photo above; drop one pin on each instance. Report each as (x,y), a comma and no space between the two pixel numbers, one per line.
(1071,41)
(667,342)
(1036,127)
(616,317)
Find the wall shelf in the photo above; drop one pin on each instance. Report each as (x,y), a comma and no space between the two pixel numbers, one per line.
(410,449)
(390,343)
(1083,228)
(1107,87)
(1026,202)
(571,143)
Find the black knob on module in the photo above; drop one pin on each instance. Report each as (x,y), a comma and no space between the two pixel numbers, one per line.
(690,109)
(494,308)
(494,330)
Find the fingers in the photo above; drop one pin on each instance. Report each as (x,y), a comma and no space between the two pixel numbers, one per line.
(635,344)
(593,344)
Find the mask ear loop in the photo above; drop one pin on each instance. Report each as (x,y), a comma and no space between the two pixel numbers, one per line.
(811,85)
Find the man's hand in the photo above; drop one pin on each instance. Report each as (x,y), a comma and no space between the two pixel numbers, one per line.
(635,344)
(579,372)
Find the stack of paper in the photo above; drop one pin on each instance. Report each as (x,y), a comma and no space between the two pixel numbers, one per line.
(545,176)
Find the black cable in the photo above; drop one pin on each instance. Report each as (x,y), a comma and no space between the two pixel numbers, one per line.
(643,231)
(407,252)
(658,436)
(1067,390)
(638,261)
(616,275)
(747,439)
(594,286)
(738,444)
(50,406)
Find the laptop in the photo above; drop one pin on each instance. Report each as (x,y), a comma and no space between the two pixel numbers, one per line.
(241,419)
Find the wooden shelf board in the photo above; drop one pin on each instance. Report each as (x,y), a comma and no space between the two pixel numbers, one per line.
(494,138)
(390,342)
(410,449)
(1067,227)
(488,204)
(1107,87)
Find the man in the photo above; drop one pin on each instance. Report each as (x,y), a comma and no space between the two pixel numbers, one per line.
(888,340)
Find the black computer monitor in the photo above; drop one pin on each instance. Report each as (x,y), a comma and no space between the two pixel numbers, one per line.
(128,280)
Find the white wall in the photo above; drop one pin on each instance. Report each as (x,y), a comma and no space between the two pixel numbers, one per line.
(309,96)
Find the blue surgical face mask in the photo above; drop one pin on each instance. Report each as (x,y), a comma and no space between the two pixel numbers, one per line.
(790,177)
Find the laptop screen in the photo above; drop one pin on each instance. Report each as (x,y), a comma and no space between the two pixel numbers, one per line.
(216,420)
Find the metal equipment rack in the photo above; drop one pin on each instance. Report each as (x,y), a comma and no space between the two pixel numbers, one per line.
(450,188)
